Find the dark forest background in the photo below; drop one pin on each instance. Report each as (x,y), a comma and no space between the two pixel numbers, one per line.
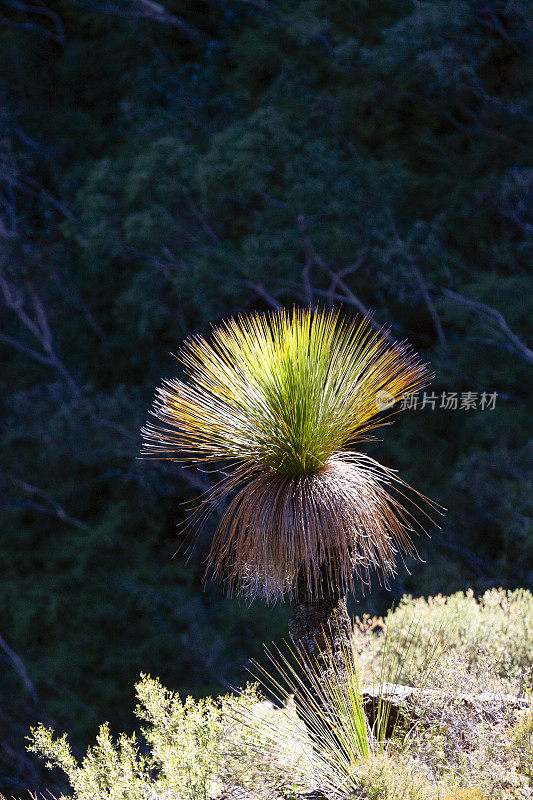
(163,166)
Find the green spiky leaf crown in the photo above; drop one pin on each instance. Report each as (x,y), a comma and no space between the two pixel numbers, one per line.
(282,397)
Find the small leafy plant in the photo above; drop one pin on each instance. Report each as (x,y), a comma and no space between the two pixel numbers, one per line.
(192,750)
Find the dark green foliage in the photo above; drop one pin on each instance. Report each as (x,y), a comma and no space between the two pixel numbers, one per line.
(160,174)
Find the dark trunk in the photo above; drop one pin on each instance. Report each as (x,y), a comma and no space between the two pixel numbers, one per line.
(320,627)
(321,631)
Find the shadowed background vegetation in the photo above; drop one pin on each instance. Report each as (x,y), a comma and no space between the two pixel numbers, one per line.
(165,166)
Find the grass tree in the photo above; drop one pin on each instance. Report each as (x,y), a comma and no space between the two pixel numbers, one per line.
(280,401)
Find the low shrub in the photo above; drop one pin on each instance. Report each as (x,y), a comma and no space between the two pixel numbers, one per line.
(466,734)
(192,750)
(498,626)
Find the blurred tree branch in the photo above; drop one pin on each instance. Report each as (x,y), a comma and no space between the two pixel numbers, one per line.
(35,320)
(495,321)
(50,507)
(21,670)
(260,292)
(155,12)
(346,294)
(28,14)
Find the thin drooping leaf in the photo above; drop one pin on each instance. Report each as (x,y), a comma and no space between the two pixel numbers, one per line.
(345,723)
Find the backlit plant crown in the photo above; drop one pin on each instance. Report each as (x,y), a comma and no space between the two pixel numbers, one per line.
(281,396)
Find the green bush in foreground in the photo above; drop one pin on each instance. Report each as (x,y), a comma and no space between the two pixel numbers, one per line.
(497,626)
(196,749)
